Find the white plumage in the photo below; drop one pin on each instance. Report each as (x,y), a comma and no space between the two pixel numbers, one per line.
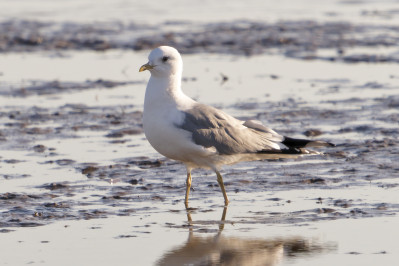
(199,135)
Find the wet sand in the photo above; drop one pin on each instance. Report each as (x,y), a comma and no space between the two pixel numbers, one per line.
(78,179)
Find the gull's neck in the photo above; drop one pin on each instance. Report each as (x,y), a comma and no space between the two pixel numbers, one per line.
(163,90)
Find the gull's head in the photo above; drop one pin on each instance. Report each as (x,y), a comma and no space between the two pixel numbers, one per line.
(164,61)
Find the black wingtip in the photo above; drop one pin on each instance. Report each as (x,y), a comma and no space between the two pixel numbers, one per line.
(304,143)
(295,143)
(282,151)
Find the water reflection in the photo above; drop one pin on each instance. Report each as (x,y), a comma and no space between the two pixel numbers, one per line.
(230,250)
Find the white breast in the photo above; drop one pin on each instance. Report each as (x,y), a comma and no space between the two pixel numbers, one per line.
(161,114)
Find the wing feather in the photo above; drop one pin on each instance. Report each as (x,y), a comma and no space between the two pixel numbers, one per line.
(211,127)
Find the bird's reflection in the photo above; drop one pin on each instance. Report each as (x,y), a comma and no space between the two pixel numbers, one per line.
(227,250)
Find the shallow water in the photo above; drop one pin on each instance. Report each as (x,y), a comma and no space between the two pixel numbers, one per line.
(374,11)
(79,183)
(79,167)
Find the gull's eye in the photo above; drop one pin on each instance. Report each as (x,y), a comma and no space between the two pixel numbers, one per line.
(165,58)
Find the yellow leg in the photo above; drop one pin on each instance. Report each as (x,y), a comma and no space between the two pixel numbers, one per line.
(221,184)
(188,184)
(221,225)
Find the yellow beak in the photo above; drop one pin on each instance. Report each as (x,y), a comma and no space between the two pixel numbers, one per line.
(146,67)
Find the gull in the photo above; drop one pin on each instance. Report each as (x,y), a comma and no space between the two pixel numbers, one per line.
(201,136)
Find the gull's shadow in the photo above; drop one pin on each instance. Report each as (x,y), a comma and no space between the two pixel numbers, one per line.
(229,250)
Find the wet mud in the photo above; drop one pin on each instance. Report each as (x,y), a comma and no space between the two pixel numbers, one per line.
(32,124)
(354,163)
(36,87)
(297,39)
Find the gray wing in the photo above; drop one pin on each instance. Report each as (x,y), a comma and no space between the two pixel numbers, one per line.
(211,127)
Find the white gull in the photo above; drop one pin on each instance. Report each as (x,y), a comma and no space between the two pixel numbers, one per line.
(202,136)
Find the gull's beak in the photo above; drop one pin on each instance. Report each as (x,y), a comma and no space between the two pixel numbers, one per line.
(146,67)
